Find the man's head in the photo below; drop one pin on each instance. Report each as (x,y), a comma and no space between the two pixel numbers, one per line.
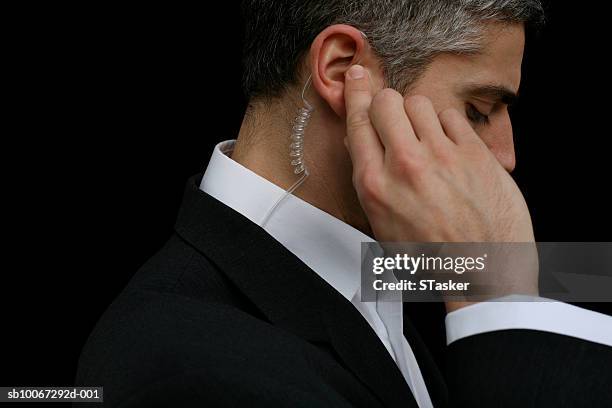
(464,54)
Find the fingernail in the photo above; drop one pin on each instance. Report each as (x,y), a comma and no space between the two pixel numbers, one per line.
(356,72)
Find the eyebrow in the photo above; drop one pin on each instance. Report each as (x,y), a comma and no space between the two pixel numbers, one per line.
(497,93)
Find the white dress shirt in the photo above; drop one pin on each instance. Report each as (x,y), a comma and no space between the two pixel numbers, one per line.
(332,249)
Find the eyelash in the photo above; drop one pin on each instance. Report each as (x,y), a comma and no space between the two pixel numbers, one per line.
(476,116)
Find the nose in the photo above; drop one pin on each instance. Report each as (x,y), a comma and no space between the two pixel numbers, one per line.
(505,155)
(500,140)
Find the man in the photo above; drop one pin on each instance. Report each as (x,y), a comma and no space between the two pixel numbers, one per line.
(255,300)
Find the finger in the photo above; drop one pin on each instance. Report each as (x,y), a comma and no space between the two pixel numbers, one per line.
(456,127)
(425,120)
(391,122)
(361,139)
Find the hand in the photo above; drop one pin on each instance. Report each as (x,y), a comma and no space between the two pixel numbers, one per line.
(424,177)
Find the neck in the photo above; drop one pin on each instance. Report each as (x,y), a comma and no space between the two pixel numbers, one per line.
(263,147)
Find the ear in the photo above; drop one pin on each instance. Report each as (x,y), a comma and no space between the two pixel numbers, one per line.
(332,53)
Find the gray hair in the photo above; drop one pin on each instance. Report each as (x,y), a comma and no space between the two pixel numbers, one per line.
(405,34)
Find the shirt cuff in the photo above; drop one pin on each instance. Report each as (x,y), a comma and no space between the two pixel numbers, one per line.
(529,313)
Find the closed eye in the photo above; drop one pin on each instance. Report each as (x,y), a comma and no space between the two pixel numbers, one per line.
(475,116)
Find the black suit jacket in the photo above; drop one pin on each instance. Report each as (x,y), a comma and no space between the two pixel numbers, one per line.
(224,315)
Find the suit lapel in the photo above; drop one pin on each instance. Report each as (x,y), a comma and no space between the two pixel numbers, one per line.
(362,350)
(287,292)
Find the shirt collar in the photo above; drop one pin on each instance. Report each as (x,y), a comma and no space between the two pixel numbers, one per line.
(327,245)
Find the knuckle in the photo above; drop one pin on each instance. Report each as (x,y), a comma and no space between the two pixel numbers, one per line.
(357,120)
(409,166)
(449,115)
(418,103)
(444,155)
(387,96)
(368,185)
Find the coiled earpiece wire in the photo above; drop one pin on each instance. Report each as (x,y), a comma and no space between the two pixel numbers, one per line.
(296,148)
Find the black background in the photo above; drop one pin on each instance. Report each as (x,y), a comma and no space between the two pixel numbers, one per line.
(114,107)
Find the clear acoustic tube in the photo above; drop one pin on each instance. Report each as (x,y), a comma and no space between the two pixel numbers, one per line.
(296,149)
